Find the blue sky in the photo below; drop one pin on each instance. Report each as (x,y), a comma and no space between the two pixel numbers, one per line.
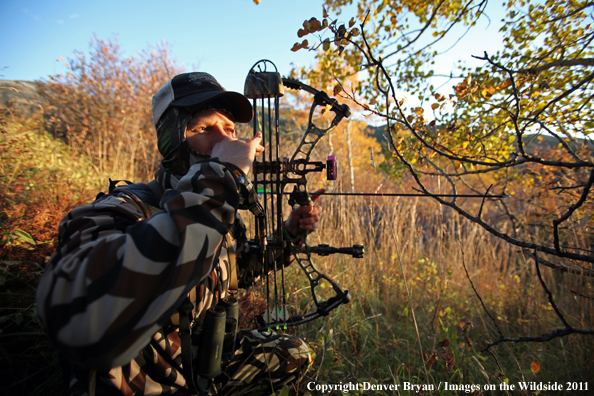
(222,37)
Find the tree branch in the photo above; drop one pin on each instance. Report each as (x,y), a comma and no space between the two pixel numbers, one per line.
(560,267)
(559,63)
(549,295)
(577,10)
(543,338)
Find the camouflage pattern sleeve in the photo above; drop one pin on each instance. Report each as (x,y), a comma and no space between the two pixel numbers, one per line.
(116,278)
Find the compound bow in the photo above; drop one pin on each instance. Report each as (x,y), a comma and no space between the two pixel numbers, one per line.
(271,177)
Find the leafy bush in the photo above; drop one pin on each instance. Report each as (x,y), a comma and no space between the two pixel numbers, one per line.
(102,106)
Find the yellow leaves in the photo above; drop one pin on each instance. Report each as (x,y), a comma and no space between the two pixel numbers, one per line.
(506,84)
(418,110)
(256,2)
(352,22)
(461,89)
(326,109)
(435,106)
(488,91)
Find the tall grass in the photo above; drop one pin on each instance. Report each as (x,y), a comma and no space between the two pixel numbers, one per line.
(414,315)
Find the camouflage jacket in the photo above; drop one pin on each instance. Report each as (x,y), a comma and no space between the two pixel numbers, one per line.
(109,292)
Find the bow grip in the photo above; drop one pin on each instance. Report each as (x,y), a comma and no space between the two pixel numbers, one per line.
(300,198)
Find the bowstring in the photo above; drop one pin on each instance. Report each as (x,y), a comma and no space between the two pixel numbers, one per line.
(279,190)
(254,129)
(271,143)
(273,225)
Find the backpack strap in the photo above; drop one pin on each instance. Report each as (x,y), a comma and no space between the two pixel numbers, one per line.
(145,210)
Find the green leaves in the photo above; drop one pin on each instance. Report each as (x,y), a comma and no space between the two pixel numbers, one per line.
(17,238)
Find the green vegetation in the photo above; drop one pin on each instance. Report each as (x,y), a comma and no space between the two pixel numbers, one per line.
(415,318)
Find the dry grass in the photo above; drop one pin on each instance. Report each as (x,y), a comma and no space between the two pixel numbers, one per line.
(416,255)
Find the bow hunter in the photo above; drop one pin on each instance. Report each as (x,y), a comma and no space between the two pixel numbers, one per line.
(139,294)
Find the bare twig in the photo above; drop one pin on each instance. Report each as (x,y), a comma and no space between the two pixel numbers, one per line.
(581,295)
(559,63)
(543,338)
(560,267)
(572,209)
(549,295)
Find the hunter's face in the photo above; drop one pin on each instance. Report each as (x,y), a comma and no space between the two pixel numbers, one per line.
(208,128)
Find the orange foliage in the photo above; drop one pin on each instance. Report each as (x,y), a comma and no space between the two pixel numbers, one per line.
(102,106)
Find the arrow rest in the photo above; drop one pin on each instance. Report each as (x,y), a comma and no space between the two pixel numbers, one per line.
(272,176)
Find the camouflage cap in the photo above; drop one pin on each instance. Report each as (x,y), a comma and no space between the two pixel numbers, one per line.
(196,91)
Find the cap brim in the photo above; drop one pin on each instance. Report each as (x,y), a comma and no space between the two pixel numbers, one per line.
(237,104)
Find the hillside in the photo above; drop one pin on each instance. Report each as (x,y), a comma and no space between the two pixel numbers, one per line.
(533,142)
(24,95)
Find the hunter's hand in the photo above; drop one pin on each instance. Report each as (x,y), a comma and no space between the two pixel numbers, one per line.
(239,152)
(305,217)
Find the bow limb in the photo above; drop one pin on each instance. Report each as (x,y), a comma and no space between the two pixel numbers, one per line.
(313,133)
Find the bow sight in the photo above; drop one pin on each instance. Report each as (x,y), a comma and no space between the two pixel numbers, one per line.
(272,176)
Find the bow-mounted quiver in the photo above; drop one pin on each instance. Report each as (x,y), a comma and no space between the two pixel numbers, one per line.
(282,180)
